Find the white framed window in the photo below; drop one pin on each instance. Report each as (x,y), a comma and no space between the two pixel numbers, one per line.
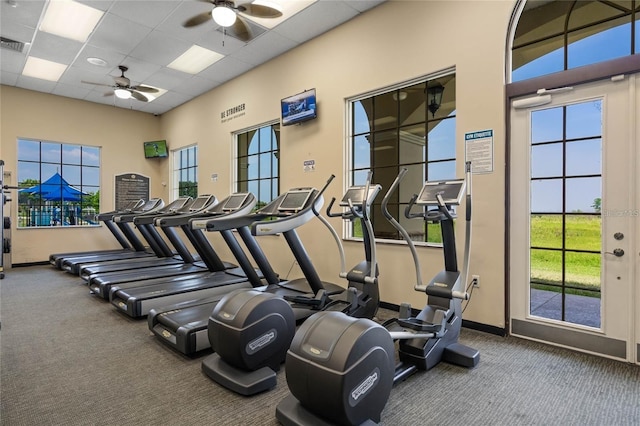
(185,172)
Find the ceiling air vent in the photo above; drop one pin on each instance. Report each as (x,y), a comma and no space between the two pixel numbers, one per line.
(7,43)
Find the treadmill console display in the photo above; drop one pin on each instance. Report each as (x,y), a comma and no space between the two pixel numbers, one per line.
(199,203)
(234,202)
(295,200)
(451,192)
(355,194)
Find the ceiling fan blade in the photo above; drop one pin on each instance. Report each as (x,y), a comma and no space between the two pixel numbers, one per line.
(110,93)
(96,84)
(138,96)
(259,10)
(240,30)
(145,89)
(198,19)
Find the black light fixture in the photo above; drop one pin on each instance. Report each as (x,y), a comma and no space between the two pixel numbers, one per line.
(434,98)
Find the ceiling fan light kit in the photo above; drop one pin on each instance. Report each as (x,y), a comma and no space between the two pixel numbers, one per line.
(223,16)
(122,93)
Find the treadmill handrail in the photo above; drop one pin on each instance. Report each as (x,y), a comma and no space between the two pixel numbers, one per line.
(228,218)
(148,219)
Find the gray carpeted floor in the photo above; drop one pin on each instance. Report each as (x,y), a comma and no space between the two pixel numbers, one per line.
(68,358)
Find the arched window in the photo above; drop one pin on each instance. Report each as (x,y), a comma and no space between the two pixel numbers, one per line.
(554,36)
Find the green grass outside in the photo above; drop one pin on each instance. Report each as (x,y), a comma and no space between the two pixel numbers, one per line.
(581,269)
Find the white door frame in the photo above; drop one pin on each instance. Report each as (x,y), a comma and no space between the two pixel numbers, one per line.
(619,336)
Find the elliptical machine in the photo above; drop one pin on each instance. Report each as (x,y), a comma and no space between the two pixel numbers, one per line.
(250,331)
(340,370)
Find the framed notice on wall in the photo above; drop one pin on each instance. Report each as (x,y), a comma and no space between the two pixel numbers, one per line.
(479,150)
(130,187)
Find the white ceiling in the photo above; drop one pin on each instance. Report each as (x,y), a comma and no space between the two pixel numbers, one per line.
(146,36)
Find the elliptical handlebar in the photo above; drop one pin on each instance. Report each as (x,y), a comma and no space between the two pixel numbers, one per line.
(396,183)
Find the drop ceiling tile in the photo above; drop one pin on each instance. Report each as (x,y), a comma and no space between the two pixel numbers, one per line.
(75,75)
(139,70)
(196,86)
(167,78)
(54,48)
(160,48)
(118,34)
(36,84)
(172,99)
(153,108)
(103,5)
(226,69)
(363,5)
(148,13)
(8,78)
(112,58)
(315,20)
(25,13)
(289,9)
(11,61)
(17,32)
(70,91)
(220,43)
(266,47)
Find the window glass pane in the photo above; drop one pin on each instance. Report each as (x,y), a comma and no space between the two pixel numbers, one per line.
(274,165)
(637,31)
(72,175)
(441,140)
(546,276)
(585,49)
(546,231)
(90,156)
(536,16)
(588,12)
(362,110)
(265,165)
(252,167)
(546,125)
(71,154)
(412,144)
(411,184)
(546,196)
(243,167)
(546,160)
(242,186)
(385,148)
(28,150)
(274,189)
(360,177)
(442,170)
(184,159)
(243,144)
(47,170)
(28,173)
(385,112)
(265,190)
(582,193)
(584,157)
(51,152)
(183,175)
(541,58)
(584,119)
(583,232)
(361,152)
(253,142)
(252,186)
(412,104)
(265,138)
(276,136)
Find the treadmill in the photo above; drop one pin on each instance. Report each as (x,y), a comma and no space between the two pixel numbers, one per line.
(128,241)
(184,256)
(184,326)
(72,265)
(137,299)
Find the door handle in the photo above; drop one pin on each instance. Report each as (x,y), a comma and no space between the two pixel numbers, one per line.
(618,252)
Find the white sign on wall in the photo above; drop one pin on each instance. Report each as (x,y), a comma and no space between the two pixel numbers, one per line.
(309,165)
(479,150)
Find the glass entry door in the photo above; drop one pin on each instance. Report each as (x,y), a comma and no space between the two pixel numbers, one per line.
(574,218)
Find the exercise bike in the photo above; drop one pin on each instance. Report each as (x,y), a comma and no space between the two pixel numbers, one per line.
(341,370)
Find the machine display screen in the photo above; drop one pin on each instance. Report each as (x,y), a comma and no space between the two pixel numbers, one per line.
(294,200)
(234,202)
(199,203)
(356,194)
(451,192)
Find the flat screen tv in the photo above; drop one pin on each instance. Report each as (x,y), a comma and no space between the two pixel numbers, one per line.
(156,149)
(298,108)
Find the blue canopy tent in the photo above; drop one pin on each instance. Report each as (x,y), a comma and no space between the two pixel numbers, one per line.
(55,189)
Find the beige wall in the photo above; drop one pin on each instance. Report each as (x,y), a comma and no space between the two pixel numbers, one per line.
(119,132)
(392,43)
